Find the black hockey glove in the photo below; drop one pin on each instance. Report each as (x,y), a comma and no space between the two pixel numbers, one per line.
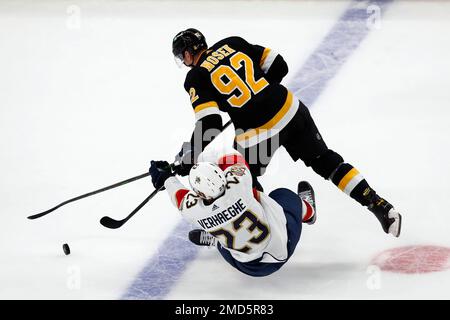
(187,158)
(160,172)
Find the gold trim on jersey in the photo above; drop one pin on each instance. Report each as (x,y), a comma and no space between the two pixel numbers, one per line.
(209,104)
(264,56)
(267,59)
(206,109)
(271,123)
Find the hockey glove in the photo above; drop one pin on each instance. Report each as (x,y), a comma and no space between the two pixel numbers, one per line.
(160,172)
(187,158)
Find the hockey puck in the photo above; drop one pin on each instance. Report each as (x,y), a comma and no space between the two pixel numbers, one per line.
(66,249)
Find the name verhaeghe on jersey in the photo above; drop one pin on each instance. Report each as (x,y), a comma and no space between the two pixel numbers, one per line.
(222,216)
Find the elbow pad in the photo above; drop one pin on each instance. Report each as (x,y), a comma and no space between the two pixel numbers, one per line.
(277,71)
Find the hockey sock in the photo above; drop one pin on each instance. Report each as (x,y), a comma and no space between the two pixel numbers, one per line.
(349,180)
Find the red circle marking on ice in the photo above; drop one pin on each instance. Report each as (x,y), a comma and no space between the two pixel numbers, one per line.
(414,259)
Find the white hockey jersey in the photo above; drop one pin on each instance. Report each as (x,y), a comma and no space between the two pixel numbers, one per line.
(248,223)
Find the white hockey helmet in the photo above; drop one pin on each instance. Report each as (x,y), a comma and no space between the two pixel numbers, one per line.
(207,180)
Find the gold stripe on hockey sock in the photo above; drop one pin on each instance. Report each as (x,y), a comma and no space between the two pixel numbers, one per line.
(347,178)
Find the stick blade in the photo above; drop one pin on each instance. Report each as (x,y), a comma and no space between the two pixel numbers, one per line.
(111,223)
(35,216)
(38,215)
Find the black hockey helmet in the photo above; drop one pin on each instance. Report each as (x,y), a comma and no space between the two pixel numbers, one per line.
(190,40)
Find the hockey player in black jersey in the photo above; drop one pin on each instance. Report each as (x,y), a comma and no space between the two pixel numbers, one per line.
(243,80)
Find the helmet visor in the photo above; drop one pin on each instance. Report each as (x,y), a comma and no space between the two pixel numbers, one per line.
(179,46)
(179,60)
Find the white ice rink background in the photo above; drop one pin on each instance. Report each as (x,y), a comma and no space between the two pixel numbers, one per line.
(89,94)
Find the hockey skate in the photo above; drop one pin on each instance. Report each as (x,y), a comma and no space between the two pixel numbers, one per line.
(390,219)
(200,237)
(306,192)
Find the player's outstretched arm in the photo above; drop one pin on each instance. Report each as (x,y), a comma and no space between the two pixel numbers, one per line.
(176,191)
(207,115)
(206,129)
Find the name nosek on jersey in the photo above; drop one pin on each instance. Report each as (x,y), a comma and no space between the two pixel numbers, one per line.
(223,216)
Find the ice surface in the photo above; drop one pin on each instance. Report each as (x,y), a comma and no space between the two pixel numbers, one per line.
(89,94)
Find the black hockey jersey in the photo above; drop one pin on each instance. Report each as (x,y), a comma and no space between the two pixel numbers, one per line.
(243,80)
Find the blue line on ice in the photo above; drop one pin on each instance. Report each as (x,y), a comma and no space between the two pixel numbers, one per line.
(335,49)
(166,267)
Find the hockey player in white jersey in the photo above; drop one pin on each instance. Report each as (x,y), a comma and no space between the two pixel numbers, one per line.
(254,232)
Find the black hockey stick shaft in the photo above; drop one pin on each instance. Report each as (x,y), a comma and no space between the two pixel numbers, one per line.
(111,223)
(115,185)
(114,224)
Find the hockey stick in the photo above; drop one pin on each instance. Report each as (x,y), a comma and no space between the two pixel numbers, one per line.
(115,185)
(111,223)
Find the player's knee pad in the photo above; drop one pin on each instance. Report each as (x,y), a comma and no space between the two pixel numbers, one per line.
(326,164)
